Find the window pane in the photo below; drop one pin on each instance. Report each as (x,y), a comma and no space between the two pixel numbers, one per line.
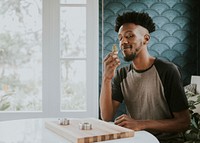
(20,55)
(73,85)
(73,32)
(73,1)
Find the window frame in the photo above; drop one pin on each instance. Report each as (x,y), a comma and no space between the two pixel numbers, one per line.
(51,65)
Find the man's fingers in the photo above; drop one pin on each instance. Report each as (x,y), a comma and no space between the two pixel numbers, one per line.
(111,60)
(106,58)
(112,54)
(122,124)
(120,119)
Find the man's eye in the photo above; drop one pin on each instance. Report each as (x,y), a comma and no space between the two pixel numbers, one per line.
(129,36)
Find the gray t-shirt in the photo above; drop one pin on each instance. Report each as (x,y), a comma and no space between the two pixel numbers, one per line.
(150,94)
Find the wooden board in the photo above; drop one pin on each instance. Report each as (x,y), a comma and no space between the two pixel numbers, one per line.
(101,131)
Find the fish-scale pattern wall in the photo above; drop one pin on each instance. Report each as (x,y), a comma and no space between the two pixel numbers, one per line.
(176,35)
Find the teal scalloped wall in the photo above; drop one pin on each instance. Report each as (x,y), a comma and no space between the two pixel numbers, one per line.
(176,36)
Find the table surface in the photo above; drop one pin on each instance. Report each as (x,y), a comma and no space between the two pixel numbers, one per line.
(34,131)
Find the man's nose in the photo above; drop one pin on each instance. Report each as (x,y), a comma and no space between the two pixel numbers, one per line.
(123,41)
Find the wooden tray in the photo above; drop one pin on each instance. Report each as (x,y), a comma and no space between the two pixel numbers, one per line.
(101,130)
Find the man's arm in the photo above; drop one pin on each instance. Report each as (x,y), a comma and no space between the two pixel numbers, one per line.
(108,106)
(179,123)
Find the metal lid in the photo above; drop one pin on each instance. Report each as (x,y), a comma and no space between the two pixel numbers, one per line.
(63,121)
(85,126)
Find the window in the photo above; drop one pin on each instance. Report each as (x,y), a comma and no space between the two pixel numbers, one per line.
(21,55)
(49,58)
(73,57)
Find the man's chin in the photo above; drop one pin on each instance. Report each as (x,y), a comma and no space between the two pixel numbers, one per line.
(130,57)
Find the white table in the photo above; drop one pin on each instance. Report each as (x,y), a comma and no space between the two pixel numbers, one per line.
(33,131)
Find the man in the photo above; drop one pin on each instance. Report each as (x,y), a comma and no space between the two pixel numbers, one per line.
(151,88)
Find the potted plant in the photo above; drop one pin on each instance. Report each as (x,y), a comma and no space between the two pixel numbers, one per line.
(192,135)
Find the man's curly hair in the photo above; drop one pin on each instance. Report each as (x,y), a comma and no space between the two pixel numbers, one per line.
(143,19)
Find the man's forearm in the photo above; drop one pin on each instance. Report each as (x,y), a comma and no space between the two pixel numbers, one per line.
(179,123)
(168,125)
(106,100)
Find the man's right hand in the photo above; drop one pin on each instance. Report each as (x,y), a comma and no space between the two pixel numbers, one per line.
(111,62)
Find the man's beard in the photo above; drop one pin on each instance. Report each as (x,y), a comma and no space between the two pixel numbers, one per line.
(129,58)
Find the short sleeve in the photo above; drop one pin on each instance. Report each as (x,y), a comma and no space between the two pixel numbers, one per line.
(173,87)
(177,98)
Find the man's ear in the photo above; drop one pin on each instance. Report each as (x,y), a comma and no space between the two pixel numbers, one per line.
(146,39)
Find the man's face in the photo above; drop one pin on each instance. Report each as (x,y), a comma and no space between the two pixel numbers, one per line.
(131,39)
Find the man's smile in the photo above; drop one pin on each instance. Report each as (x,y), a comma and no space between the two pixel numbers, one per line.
(126,47)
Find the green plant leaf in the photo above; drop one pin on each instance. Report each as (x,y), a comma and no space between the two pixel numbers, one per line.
(4,106)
